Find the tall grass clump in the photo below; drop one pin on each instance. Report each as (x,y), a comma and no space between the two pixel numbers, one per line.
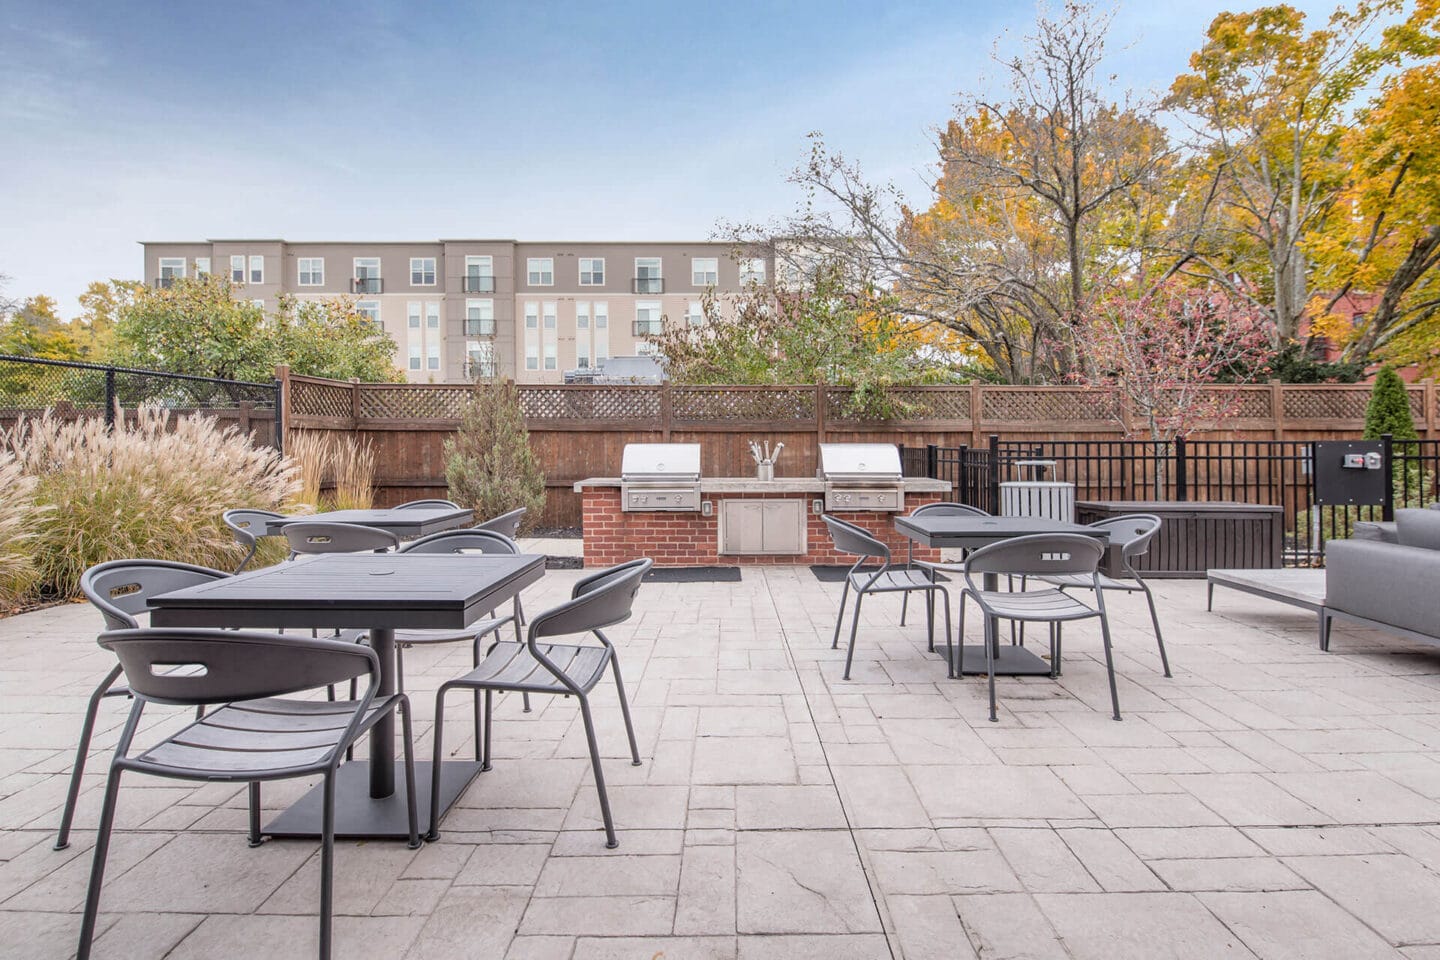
(17,516)
(148,488)
(336,461)
(489,466)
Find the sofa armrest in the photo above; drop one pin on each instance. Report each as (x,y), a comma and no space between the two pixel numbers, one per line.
(1379,531)
(1385,582)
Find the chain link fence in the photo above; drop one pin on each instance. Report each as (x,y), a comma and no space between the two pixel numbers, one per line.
(30,385)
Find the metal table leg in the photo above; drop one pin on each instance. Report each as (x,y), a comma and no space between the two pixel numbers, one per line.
(382,735)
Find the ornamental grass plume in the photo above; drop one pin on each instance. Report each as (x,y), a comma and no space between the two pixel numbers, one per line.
(17,516)
(146,488)
(338,460)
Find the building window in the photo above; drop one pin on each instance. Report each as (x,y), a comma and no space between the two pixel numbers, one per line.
(550,323)
(479,275)
(704,271)
(414,356)
(647,318)
(602,332)
(258,305)
(202,266)
(432,316)
(412,315)
(237,269)
(432,355)
(367,276)
(480,318)
(312,271)
(540,272)
(422,271)
(480,355)
(171,269)
(647,275)
(752,270)
(582,334)
(532,336)
(646,348)
(694,314)
(370,310)
(592,272)
(257,269)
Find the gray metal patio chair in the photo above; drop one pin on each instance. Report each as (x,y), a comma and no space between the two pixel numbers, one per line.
(599,600)
(506,523)
(256,734)
(461,541)
(244,524)
(932,567)
(851,539)
(121,591)
(1040,555)
(1132,534)
(318,536)
(427,505)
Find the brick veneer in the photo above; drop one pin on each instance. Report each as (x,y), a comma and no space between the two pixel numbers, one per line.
(692,540)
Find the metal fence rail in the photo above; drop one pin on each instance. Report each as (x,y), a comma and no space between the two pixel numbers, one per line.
(31,384)
(1266,472)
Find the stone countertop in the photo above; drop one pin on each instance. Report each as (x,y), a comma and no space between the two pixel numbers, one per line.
(778,485)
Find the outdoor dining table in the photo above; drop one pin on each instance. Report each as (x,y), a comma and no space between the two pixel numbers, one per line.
(971,533)
(378,593)
(406,524)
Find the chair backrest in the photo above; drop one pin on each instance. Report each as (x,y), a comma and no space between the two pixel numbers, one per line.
(948,509)
(1039,554)
(317,536)
(1131,532)
(237,665)
(599,600)
(849,538)
(463,541)
(249,525)
(121,589)
(506,523)
(428,505)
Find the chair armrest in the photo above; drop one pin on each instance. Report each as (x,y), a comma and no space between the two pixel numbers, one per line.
(1385,582)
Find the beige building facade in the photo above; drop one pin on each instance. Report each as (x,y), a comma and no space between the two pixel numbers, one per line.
(458,309)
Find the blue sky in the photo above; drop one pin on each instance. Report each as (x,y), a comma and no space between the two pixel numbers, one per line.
(152,120)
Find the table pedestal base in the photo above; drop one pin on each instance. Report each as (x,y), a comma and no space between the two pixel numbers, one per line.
(358,816)
(1013,661)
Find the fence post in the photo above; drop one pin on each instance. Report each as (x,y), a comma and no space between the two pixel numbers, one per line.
(278,425)
(1387,450)
(667,411)
(109,398)
(1182,480)
(995,473)
(821,399)
(354,404)
(977,404)
(932,461)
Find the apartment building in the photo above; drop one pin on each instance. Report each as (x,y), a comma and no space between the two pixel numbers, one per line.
(458,309)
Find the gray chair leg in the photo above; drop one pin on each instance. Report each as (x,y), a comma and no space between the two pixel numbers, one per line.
(625,711)
(854,626)
(929,619)
(82,753)
(409,734)
(519,621)
(485,757)
(610,841)
(255,839)
(990,663)
(1209,596)
(904,604)
(1155,619)
(1109,660)
(957,661)
(1054,658)
(840,616)
(97,869)
(1059,650)
(327,864)
(434,832)
(1325,621)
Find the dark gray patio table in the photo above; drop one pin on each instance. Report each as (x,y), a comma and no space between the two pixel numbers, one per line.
(974,532)
(378,593)
(415,522)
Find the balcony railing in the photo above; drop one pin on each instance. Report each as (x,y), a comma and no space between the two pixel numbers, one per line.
(477,284)
(646,328)
(367,285)
(647,285)
(479,328)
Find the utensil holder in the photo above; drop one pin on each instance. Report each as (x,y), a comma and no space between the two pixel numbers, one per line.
(764,471)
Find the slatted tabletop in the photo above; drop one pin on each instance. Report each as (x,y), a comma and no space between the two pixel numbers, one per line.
(412,522)
(978,531)
(387,590)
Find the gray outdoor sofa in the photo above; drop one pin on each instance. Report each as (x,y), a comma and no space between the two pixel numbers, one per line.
(1389,579)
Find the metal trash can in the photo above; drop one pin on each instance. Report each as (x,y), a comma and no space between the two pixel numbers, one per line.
(1038,498)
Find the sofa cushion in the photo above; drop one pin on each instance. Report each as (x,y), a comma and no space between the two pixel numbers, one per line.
(1418,528)
(1377,530)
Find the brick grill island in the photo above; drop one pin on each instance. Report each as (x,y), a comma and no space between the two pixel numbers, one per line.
(692,539)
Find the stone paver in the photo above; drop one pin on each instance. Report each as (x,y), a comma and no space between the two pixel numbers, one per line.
(1270,801)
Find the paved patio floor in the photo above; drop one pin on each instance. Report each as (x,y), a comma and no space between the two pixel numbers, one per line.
(1269,801)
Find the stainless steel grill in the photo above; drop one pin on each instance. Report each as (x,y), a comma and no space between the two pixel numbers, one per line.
(861,476)
(660,476)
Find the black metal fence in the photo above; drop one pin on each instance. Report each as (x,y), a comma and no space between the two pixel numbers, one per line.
(1268,472)
(31,384)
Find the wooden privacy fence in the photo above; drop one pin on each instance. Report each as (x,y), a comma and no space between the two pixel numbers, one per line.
(578,431)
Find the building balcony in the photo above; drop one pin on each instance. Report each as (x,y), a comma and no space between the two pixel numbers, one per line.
(367,285)
(646,328)
(479,328)
(647,285)
(478,284)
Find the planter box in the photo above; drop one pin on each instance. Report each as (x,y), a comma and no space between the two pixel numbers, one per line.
(1195,537)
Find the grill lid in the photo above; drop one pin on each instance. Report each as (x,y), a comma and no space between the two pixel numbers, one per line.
(660,461)
(864,462)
